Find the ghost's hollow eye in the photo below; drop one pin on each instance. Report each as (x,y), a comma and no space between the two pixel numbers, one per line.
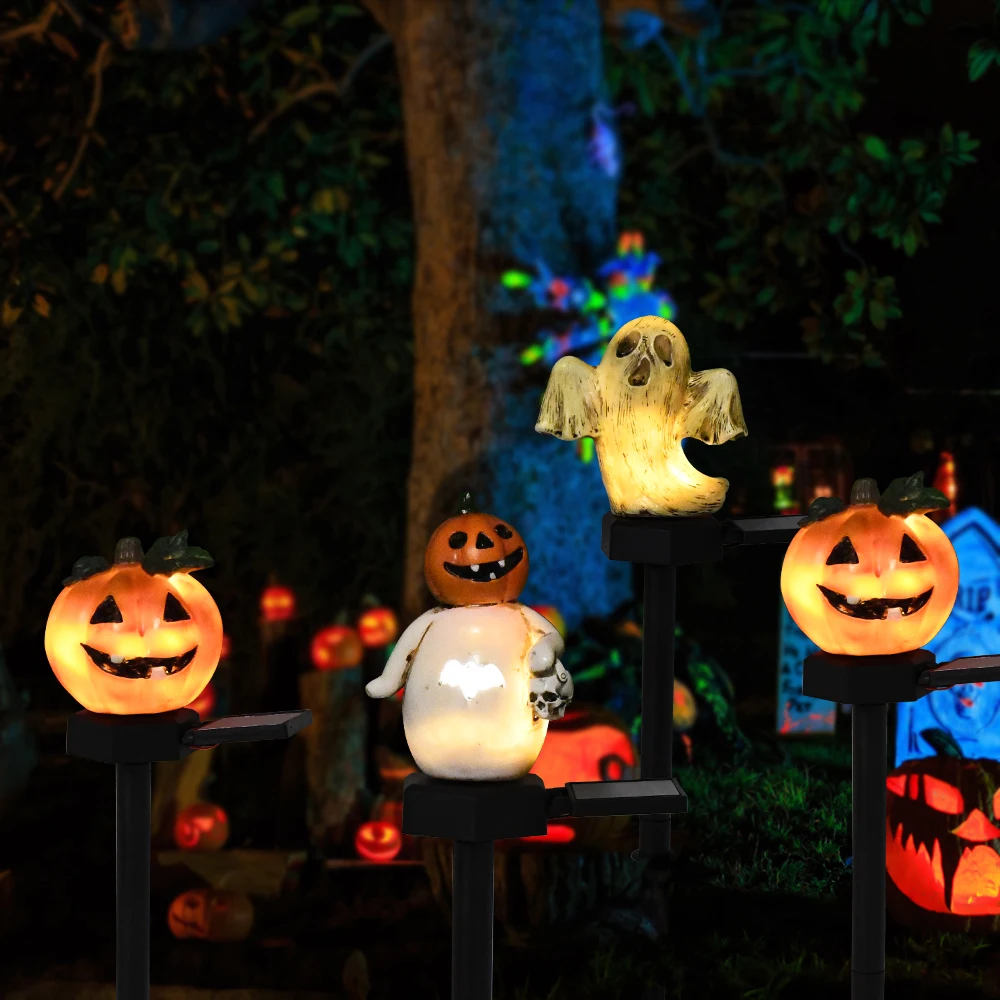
(843,552)
(909,551)
(458,539)
(173,610)
(106,613)
(664,349)
(503,531)
(627,344)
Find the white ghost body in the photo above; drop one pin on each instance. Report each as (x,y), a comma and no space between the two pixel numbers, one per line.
(469,673)
(638,404)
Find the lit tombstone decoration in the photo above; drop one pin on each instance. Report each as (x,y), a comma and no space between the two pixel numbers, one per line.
(482,676)
(639,404)
(875,577)
(137,637)
(336,647)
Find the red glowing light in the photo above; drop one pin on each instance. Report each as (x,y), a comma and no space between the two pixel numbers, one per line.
(378,627)
(558,833)
(378,841)
(277,603)
(336,647)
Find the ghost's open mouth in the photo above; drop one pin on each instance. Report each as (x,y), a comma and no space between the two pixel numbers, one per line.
(486,572)
(876,608)
(139,666)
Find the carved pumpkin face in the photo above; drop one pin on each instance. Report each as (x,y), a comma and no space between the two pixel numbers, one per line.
(943,835)
(336,647)
(201,826)
(378,627)
(139,637)
(476,559)
(584,747)
(876,577)
(211,915)
(378,841)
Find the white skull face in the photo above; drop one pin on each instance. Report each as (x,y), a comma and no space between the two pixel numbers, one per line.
(551,692)
(645,353)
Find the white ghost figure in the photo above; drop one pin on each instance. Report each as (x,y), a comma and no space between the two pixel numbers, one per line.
(638,404)
(481,683)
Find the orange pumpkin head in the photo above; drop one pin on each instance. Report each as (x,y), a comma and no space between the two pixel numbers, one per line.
(876,577)
(201,826)
(138,637)
(211,915)
(475,559)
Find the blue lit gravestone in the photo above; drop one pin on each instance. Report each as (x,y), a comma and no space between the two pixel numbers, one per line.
(967,712)
(798,714)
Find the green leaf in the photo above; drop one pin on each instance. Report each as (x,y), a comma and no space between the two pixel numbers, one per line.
(821,508)
(910,496)
(301,17)
(876,148)
(982,55)
(910,242)
(86,567)
(172,554)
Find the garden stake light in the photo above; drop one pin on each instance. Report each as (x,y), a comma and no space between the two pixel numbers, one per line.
(135,642)
(872,581)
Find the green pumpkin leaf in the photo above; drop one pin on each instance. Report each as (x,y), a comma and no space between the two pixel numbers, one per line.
(172,554)
(822,507)
(85,567)
(944,743)
(910,496)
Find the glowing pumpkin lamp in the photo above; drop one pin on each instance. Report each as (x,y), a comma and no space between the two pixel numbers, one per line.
(277,603)
(138,637)
(378,841)
(378,627)
(211,915)
(336,647)
(558,833)
(201,826)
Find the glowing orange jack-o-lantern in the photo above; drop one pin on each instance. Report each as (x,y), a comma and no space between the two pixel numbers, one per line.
(138,637)
(475,559)
(378,841)
(875,577)
(336,647)
(378,627)
(211,915)
(277,603)
(943,836)
(583,746)
(201,826)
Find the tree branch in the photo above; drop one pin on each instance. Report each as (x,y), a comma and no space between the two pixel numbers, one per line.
(100,61)
(32,28)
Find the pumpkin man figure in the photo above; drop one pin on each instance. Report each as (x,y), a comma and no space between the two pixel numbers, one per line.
(482,676)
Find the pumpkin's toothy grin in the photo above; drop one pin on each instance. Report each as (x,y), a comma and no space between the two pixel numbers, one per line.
(486,572)
(876,608)
(138,667)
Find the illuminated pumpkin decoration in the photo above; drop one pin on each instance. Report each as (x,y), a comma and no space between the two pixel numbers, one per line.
(137,637)
(204,704)
(336,647)
(378,841)
(482,679)
(211,915)
(378,627)
(475,559)
(583,747)
(277,603)
(201,826)
(875,577)
(943,835)
(553,614)
(685,707)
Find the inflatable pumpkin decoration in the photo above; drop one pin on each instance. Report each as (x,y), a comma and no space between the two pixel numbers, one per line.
(211,915)
(943,836)
(137,637)
(875,577)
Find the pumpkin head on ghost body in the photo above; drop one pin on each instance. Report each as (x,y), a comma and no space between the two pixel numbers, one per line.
(875,577)
(475,558)
(137,637)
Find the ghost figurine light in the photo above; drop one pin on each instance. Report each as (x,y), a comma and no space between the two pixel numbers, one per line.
(482,675)
(638,405)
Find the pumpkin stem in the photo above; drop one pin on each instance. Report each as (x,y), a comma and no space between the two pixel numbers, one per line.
(128,550)
(466,505)
(865,491)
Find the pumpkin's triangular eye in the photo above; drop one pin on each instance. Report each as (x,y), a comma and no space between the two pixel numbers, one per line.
(909,551)
(173,610)
(942,797)
(843,552)
(503,531)
(106,613)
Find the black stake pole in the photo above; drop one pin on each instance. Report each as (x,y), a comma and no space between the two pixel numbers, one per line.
(868,739)
(658,617)
(132,835)
(472,921)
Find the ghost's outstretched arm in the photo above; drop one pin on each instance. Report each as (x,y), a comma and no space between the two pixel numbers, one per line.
(714,412)
(570,406)
(393,677)
(549,646)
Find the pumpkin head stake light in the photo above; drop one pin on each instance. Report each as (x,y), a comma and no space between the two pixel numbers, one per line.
(873,577)
(139,636)
(482,677)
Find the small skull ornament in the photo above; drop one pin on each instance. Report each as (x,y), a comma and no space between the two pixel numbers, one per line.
(551,692)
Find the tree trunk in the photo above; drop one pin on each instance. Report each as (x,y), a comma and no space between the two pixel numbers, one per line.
(498,101)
